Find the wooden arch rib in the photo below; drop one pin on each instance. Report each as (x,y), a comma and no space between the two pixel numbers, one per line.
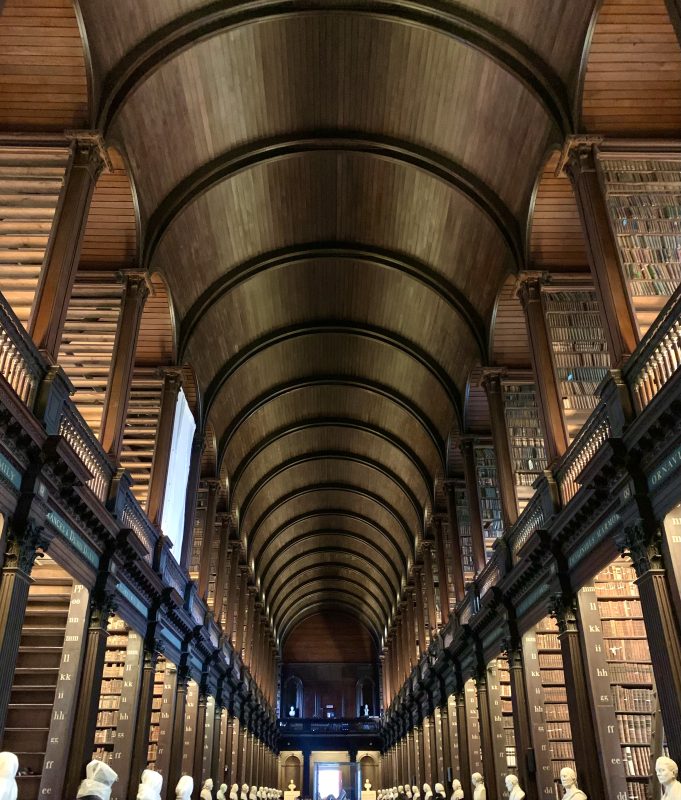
(335,455)
(330,486)
(302,614)
(371,387)
(338,540)
(462,25)
(337,422)
(337,588)
(311,574)
(378,536)
(343,558)
(236,161)
(335,596)
(380,257)
(338,327)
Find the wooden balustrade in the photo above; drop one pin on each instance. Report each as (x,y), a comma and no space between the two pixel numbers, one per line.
(76,432)
(531,519)
(589,441)
(21,364)
(658,356)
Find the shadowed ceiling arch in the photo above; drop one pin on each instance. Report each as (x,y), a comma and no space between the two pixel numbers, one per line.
(300,615)
(343,230)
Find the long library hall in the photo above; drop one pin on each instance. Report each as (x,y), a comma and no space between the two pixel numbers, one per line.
(340,400)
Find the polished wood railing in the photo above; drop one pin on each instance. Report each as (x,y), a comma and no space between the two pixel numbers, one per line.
(21,364)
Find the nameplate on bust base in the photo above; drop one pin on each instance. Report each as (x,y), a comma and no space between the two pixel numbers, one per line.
(371,795)
(294,795)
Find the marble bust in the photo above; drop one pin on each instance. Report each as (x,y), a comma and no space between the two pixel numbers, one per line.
(184,788)
(9,766)
(667,772)
(150,785)
(234,792)
(207,790)
(292,711)
(407,792)
(513,788)
(439,790)
(427,792)
(221,792)
(367,785)
(98,781)
(292,786)
(415,792)
(568,779)
(457,791)
(479,791)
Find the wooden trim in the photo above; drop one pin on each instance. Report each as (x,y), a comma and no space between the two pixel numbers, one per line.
(333,422)
(333,585)
(336,455)
(458,23)
(308,489)
(371,332)
(378,256)
(373,387)
(331,600)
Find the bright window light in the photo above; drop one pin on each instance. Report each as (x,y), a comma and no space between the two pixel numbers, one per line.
(329,781)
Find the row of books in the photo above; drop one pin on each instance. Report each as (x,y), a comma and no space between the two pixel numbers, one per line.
(561,750)
(550,661)
(654,226)
(109,718)
(620,608)
(627,650)
(634,728)
(636,761)
(559,730)
(627,699)
(652,288)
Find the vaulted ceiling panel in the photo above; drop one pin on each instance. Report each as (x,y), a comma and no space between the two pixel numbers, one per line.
(335,193)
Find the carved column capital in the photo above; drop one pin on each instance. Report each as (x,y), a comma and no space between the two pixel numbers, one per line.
(563,609)
(644,548)
(24,548)
(577,155)
(528,286)
(90,146)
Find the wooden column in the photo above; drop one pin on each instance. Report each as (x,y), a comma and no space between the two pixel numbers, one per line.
(445,733)
(582,723)
(22,550)
(172,381)
(411,628)
(492,384)
(241,609)
(521,723)
(224,570)
(420,614)
(83,734)
(177,742)
(115,411)
(462,731)
(191,495)
(662,627)
(429,586)
(128,717)
(63,252)
(455,542)
(486,732)
(219,737)
(250,627)
(200,732)
(444,587)
(140,745)
(550,403)
(617,313)
(208,537)
(403,654)
(439,773)
(473,495)
(232,593)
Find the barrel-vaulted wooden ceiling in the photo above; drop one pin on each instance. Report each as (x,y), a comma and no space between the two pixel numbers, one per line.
(335,191)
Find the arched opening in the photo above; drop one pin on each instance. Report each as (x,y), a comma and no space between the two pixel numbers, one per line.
(155,349)
(368,770)
(293,771)
(292,697)
(109,250)
(366,698)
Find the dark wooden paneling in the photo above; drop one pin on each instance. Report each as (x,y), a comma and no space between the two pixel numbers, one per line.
(330,637)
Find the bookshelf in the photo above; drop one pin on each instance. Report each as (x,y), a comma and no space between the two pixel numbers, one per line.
(190,716)
(501,716)
(488,490)
(164,730)
(112,686)
(644,200)
(464,522)
(630,671)
(473,726)
(555,708)
(156,708)
(525,438)
(580,354)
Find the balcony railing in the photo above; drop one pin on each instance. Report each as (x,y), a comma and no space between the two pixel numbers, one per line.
(527,523)
(20,362)
(77,433)
(330,726)
(584,447)
(658,356)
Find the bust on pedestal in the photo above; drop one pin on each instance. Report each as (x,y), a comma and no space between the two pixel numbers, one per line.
(568,779)
(150,785)
(427,792)
(439,792)
(667,772)
(513,788)
(207,790)
(184,788)
(9,766)
(367,793)
(243,794)
(292,793)
(222,792)
(457,791)
(97,785)
(479,791)
(416,793)
(407,791)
